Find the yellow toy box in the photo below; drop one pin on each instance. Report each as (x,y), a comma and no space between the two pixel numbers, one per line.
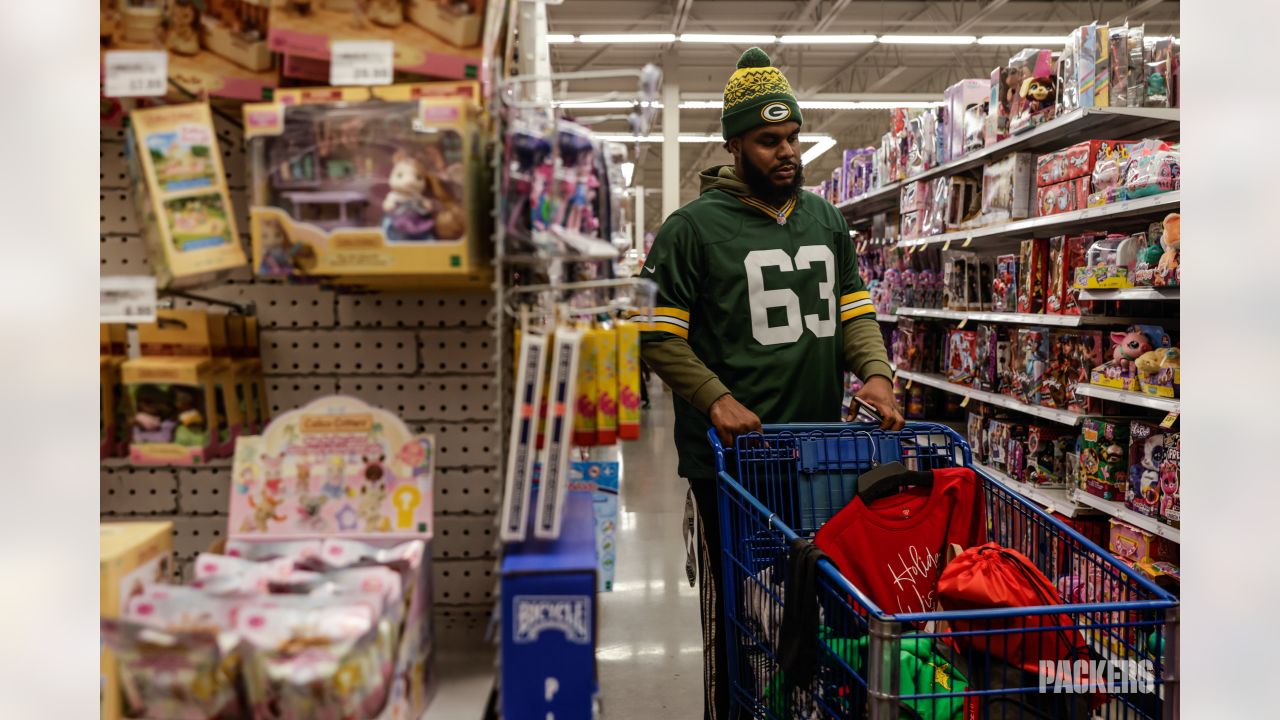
(131,555)
(180,189)
(179,394)
(375,186)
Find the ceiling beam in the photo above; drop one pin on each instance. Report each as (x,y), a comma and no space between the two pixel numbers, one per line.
(1135,11)
(681,17)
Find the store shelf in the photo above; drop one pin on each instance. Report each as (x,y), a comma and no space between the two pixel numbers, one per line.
(1142,293)
(1022,318)
(1128,397)
(1052,499)
(933,380)
(1118,511)
(1112,123)
(1078,220)
(886,317)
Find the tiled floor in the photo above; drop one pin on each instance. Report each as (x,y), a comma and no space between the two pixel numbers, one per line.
(650,649)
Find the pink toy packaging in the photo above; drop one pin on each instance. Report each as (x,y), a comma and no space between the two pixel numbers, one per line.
(1121,371)
(957,100)
(1138,547)
(987,370)
(1153,466)
(1030,363)
(1065,255)
(336,467)
(1171,482)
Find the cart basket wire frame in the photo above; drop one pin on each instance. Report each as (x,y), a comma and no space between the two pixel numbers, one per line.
(789,480)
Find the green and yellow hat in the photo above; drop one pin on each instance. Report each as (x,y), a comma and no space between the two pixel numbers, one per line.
(757,93)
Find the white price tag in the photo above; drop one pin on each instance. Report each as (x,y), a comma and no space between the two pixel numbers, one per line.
(361,62)
(135,73)
(127,299)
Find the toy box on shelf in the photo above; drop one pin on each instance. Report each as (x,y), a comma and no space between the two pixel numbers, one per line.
(992,356)
(1033,266)
(600,479)
(1136,546)
(1121,371)
(1047,456)
(371,186)
(1037,89)
(1158,261)
(1104,457)
(957,100)
(130,556)
(1067,196)
(1109,262)
(1160,372)
(1066,255)
(1008,188)
(962,357)
(1030,362)
(1079,160)
(216,49)
(1004,289)
(1073,355)
(436,38)
(1154,470)
(180,188)
(336,467)
(183,409)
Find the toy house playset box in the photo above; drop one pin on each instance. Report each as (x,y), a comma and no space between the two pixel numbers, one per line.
(366,186)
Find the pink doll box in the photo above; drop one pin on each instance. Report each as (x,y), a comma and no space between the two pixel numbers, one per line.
(336,468)
(1137,546)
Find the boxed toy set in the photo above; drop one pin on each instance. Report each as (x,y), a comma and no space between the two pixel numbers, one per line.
(181,398)
(180,189)
(1008,188)
(1073,355)
(131,556)
(1036,102)
(1104,457)
(962,357)
(336,467)
(1033,267)
(1160,372)
(992,342)
(958,100)
(1136,546)
(1046,455)
(369,186)
(1062,197)
(1137,341)
(1066,255)
(1004,291)
(1079,160)
(1154,470)
(1030,362)
(1157,262)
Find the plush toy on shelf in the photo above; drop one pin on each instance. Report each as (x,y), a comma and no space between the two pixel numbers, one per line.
(1169,270)
(1121,372)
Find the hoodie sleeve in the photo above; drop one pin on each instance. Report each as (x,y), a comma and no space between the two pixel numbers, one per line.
(864,351)
(674,264)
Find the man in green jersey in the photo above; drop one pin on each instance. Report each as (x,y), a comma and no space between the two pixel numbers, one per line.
(759,311)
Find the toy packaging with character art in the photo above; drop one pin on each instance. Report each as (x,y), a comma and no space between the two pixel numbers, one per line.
(1153,466)
(1008,188)
(1073,355)
(1066,253)
(1047,456)
(1004,286)
(367,185)
(180,188)
(1033,264)
(991,338)
(962,357)
(1120,371)
(1030,361)
(1104,457)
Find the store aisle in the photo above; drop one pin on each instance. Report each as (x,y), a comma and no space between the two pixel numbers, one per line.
(650,649)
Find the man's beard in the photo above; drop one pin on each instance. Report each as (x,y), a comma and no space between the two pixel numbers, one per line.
(764,188)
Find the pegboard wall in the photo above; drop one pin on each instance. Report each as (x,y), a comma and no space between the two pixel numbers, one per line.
(430,357)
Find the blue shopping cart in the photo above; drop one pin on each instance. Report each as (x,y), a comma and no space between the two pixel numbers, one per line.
(786,482)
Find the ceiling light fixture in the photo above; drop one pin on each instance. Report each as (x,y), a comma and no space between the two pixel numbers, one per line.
(728,39)
(928,39)
(827,39)
(628,38)
(1026,40)
(821,147)
(628,170)
(560,39)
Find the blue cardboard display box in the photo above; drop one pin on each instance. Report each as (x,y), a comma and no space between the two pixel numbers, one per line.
(549,620)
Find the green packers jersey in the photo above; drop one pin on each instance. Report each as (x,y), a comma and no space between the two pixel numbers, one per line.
(761,294)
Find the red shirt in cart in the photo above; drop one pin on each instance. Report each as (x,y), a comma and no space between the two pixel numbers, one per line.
(892,548)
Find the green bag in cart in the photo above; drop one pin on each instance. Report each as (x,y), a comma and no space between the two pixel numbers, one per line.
(921,671)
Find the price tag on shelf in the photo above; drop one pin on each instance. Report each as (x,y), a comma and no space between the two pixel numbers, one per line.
(965,401)
(963,322)
(361,62)
(1169,419)
(135,73)
(947,245)
(968,241)
(127,299)
(909,381)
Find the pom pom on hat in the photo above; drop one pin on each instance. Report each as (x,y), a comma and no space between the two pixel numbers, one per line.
(754,58)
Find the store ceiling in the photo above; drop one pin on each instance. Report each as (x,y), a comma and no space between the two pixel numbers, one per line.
(888,70)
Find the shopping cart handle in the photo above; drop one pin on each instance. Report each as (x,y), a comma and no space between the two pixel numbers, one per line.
(848,427)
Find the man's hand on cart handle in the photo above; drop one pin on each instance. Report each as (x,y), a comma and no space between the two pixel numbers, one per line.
(731,419)
(878,391)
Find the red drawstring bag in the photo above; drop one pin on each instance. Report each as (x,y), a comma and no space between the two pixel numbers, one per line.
(991,576)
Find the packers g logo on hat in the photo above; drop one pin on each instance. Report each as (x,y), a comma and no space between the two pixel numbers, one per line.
(775,112)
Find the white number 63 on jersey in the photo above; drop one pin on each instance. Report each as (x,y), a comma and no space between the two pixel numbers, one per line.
(762,300)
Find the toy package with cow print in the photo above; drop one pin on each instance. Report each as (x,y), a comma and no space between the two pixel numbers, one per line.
(335,468)
(366,186)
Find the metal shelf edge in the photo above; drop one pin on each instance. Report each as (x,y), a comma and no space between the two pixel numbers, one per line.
(1060,416)
(1118,511)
